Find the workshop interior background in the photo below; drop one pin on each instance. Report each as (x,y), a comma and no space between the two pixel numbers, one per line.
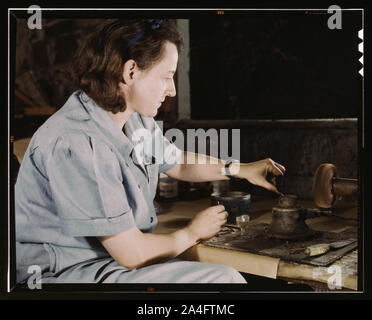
(287,81)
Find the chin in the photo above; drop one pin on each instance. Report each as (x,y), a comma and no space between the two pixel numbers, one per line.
(155,112)
(149,113)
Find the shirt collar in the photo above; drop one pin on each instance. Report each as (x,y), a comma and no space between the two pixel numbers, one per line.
(91,111)
(77,111)
(136,121)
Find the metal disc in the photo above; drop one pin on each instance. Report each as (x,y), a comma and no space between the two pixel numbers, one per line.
(322,185)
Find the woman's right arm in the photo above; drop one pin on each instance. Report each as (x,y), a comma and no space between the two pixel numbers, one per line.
(134,249)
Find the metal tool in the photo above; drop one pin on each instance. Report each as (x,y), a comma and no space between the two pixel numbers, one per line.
(316,212)
(322,248)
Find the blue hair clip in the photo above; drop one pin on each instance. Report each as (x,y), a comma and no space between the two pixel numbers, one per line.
(154,25)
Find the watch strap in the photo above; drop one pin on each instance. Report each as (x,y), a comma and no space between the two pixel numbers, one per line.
(227,168)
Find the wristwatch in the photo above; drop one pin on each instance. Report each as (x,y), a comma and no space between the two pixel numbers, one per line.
(228,166)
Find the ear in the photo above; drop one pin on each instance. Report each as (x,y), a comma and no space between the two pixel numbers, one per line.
(130,69)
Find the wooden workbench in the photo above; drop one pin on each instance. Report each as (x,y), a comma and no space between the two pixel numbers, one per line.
(175,215)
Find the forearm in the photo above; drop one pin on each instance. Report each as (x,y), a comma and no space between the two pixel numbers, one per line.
(135,249)
(204,225)
(200,168)
(162,247)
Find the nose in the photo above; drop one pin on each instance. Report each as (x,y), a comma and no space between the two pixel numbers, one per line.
(171,89)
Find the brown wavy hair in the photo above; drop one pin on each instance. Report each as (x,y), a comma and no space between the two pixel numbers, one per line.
(96,67)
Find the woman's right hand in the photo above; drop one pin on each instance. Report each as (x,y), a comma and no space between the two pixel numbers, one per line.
(207,223)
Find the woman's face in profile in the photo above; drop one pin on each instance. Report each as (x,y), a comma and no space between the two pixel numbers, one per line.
(151,86)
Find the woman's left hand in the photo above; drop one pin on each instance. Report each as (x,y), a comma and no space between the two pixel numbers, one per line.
(259,172)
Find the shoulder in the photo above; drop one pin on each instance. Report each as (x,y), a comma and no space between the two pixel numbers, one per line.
(69,123)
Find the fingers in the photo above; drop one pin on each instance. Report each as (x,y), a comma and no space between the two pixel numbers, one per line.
(276,168)
(219,208)
(221,212)
(223,215)
(217,213)
(269,186)
(282,168)
(279,167)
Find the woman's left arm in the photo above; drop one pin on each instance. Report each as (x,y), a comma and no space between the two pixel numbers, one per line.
(195,167)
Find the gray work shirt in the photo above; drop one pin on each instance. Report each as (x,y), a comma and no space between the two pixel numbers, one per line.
(81,178)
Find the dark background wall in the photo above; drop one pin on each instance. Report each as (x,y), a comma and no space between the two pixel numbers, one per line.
(45,53)
(275,65)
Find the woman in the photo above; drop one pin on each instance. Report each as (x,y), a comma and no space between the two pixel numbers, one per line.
(84,196)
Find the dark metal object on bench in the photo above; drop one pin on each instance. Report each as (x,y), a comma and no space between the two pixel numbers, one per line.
(236,203)
(288,220)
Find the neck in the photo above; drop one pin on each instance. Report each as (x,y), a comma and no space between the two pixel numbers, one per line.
(121,118)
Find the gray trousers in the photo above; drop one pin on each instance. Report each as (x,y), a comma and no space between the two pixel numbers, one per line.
(107,270)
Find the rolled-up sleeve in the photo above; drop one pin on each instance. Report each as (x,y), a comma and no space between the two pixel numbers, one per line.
(87,187)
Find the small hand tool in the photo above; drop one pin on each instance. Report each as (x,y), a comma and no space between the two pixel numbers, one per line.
(321,248)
